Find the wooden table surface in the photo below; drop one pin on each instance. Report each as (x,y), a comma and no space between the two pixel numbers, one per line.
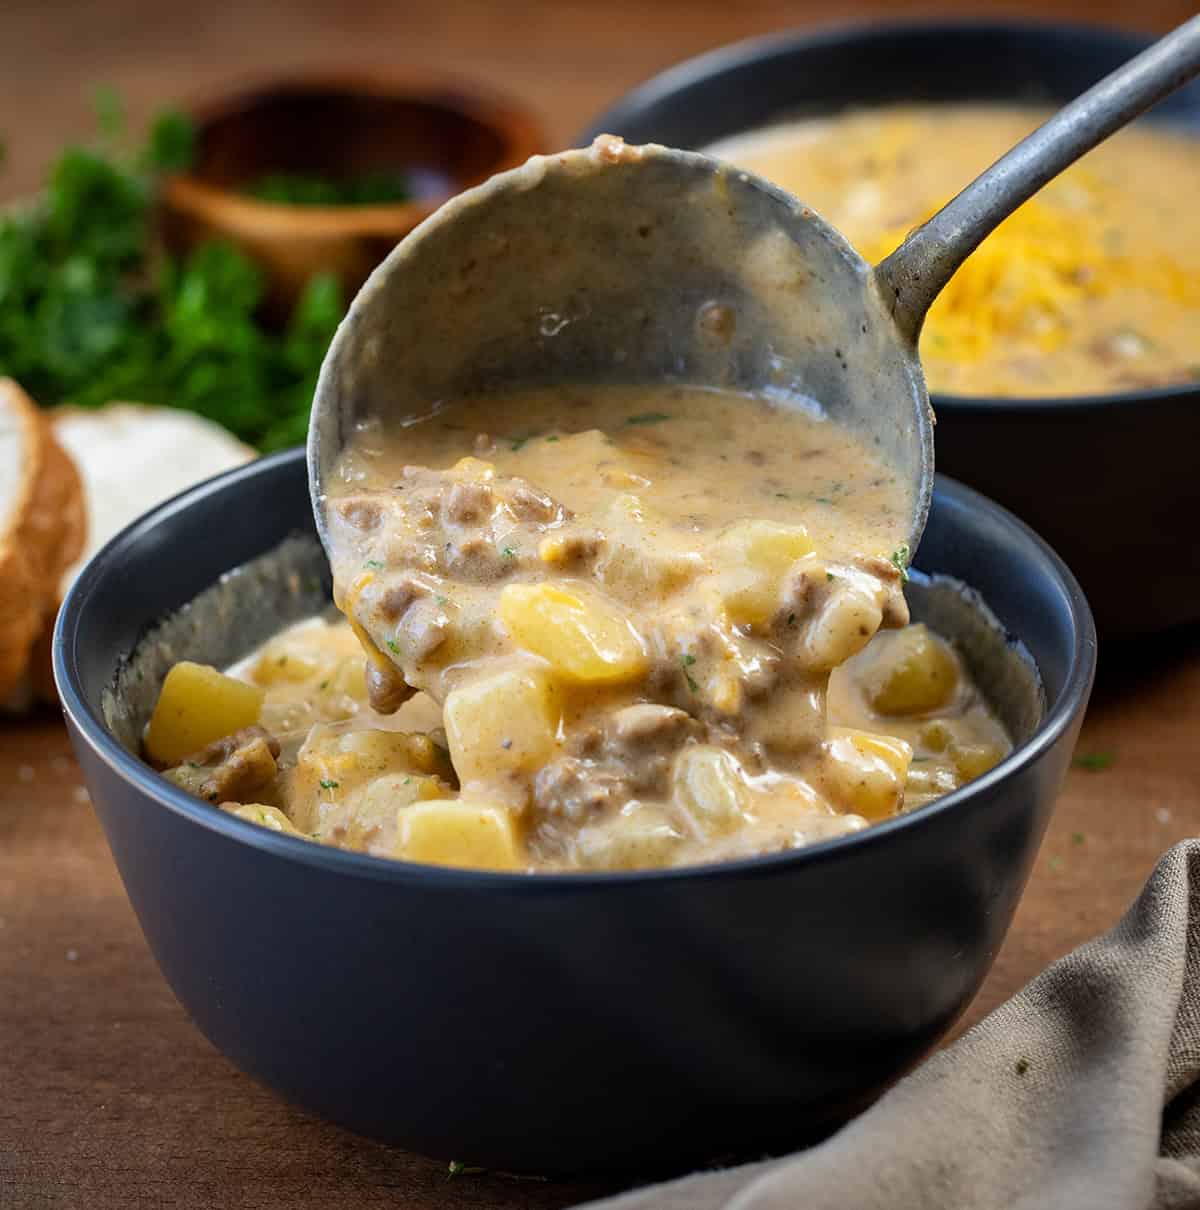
(109,1098)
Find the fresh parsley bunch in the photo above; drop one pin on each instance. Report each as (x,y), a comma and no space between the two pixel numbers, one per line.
(91,311)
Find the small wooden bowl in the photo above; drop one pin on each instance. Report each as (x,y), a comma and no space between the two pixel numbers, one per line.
(442,136)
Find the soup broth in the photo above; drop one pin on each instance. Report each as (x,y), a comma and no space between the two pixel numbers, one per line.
(602,628)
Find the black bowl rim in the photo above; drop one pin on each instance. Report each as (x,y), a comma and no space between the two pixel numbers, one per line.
(141,778)
(750,50)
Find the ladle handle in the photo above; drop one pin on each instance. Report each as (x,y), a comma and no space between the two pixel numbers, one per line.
(915,273)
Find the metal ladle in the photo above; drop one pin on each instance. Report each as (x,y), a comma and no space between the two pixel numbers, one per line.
(648,265)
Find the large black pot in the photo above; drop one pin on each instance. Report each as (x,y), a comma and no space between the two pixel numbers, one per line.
(1112,482)
(557,1023)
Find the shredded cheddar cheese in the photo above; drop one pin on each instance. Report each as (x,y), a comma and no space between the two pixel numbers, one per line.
(1027,280)
(1091,287)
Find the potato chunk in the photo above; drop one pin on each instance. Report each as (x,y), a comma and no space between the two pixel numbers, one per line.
(476,836)
(341,774)
(640,837)
(865,773)
(709,785)
(370,817)
(502,728)
(936,736)
(281,664)
(350,677)
(974,760)
(911,672)
(380,750)
(196,706)
(582,638)
(264,816)
(759,554)
(841,628)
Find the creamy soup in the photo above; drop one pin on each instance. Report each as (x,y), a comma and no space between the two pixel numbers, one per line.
(1093,286)
(595,629)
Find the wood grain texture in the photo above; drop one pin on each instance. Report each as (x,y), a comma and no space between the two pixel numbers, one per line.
(109,1098)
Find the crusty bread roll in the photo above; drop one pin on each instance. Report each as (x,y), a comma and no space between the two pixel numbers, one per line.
(42,529)
(133,457)
(71,472)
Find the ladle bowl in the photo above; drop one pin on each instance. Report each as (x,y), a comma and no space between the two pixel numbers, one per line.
(618,264)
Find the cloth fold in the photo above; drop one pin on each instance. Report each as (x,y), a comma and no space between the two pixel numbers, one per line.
(1080,1093)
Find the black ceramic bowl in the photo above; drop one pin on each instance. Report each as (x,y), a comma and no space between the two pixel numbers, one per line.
(555,1023)
(1110,481)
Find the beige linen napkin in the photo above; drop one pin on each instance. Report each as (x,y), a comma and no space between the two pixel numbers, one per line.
(1080,1093)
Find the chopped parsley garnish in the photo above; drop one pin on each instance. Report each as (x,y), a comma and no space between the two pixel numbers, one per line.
(323,685)
(281,661)
(441,600)
(93,311)
(517,443)
(1094,762)
(822,500)
(899,559)
(378,186)
(648,418)
(687,659)
(791,619)
(374,564)
(509,552)
(1078,838)
(552,437)
(327,784)
(393,646)
(458,1168)
(829,576)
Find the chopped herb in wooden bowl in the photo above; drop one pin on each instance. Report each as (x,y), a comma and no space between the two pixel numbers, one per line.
(376,188)
(92,309)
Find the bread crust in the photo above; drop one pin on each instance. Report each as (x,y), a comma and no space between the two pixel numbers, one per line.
(45,531)
(20,617)
(40,537)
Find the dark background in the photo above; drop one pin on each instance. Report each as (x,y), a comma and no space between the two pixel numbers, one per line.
(567,58)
